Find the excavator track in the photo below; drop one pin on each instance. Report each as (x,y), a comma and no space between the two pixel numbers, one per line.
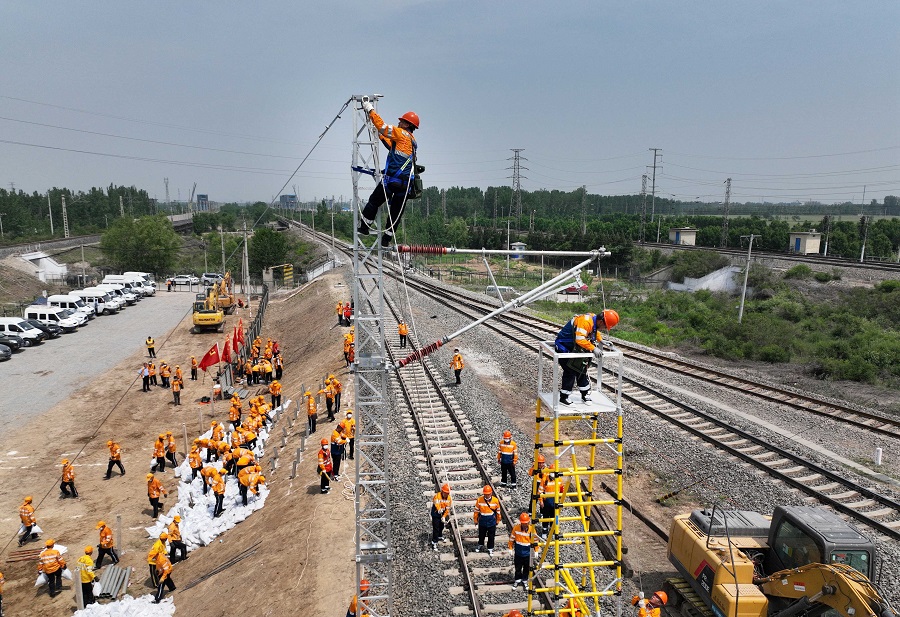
(683,597)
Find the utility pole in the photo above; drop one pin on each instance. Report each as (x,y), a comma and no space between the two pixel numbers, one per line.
(746,276)
(583,203)
(121,207)
(865,226)
(332,224)
(642,233)
(83,276)
(65,218)
(222,242)
(507,247)
(827,230)
(656,155)
(166,182)
(516,198)
(495,208)
(724,240)
(50,208)
(245,267)
(2,214)
(444,204)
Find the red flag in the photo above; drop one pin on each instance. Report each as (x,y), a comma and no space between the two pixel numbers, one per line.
(226,353)
(240,331)
(234,340)
(210,357)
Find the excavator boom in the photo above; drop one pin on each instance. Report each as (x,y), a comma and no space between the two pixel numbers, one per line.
(835,585)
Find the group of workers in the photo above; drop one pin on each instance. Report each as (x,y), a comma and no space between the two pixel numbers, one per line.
(344,312)
(169,378)
(334,450)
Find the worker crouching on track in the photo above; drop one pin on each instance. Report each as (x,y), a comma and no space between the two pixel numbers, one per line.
(440,514)
(325,466)
(487,515)
(651,607)
(581,335)
(522,541)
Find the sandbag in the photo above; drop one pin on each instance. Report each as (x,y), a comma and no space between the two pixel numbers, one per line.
(67,574)
(41,580)
(98,589)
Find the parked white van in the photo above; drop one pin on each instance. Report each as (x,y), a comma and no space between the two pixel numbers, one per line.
(73,303)
(120,291)
(135,283)
(103,303)
(52,315)
(19,327)
(145,276)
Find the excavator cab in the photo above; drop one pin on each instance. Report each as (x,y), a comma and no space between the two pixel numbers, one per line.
(800,535)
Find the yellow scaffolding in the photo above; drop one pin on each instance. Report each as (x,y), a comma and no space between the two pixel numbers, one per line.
(586,441)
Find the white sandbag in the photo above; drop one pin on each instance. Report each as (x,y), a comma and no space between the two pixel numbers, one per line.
(98,588)
(128,606)
(34,529)
(41,580)
(67,574)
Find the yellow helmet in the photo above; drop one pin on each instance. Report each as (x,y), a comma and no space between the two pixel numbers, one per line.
(149,476)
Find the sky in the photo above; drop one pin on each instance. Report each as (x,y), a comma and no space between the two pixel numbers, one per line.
(794,101)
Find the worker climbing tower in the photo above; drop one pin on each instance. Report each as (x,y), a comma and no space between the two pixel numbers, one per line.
(374,553)
(582,445)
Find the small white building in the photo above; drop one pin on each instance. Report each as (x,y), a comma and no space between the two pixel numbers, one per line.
(45,267)
(517,246)
(683,235)
(805,242)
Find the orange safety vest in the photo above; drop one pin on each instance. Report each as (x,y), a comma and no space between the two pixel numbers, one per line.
(325,460)
(171,446)
(457,363)
(522,538)
(68,473)
(194,460)
(176,385)
(310,406)
(508,452)
(155,488)
(159,449)
(50,561)
(350,428)
(487,507)
(26,513)
(218,485)
(441,506)
(115,451)
(163,567)
(403,329)
(194,363)
(174,532)
(106,537)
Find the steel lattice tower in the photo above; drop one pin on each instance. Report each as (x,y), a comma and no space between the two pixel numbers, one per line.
(374,554)
(517,183)
(643,207)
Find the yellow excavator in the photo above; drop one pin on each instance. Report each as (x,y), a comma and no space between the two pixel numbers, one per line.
(225,292)
(802,560)
(208,314)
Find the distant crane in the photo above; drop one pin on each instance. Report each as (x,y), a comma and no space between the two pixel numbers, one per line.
(191,200)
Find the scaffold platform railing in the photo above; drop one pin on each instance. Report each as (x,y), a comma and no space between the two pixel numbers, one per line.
(582,442)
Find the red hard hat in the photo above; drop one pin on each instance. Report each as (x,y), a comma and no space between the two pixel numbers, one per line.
(411,117)
(364,585)
(541,458)
(514,613)
(524,518)
(610,318)
(662,595)
(486,490)
(324,441)
(507,435)
(445,488)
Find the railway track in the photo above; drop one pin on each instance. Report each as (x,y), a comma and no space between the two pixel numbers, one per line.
(868,507)
(438,423)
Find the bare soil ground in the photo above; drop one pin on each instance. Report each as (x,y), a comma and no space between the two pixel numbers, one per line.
(305,558)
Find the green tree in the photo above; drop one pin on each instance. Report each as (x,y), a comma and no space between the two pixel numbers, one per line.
(148,244)
(267,248)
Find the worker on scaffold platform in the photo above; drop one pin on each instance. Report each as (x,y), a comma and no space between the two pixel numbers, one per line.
(399,172)
(580,335)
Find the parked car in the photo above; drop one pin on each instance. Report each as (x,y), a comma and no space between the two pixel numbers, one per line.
(5,352)
(575,289)
(185,279)
(12,341)
(208,278)
(18,326)
(51,330)
(52,315)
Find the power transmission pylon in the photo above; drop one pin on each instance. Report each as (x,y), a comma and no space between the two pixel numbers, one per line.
(643,207)
(166,182)
(516,198)
(65,218)
(656,155)
(583,204)
(724,240)
(374,554)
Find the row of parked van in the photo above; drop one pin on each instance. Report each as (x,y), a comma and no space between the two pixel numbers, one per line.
(68,312)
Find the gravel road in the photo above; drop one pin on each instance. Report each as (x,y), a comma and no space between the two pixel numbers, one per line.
(44,375)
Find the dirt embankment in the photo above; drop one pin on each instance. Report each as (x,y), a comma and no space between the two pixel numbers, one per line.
(306,555)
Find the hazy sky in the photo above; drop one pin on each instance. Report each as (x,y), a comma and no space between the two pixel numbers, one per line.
(792,100)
